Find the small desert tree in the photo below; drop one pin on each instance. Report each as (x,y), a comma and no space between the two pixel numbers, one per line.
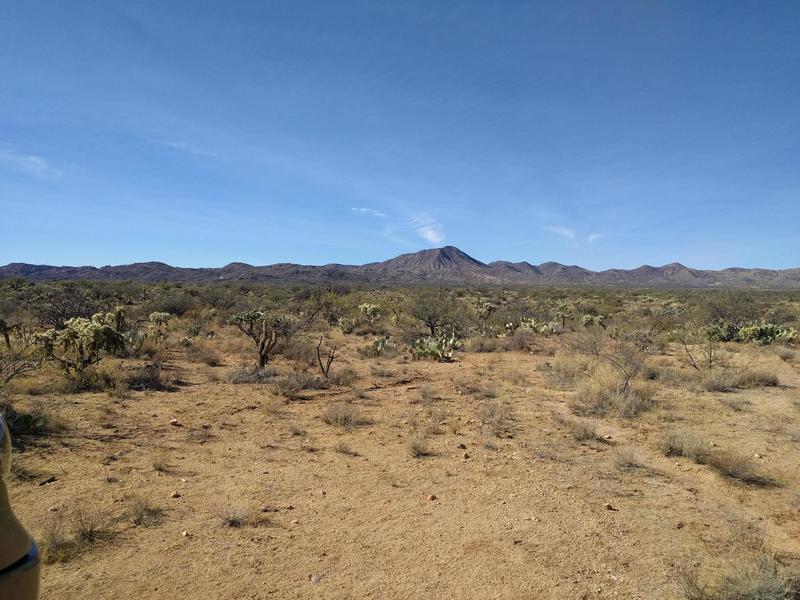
(626,352)
(265,329)
(435,309)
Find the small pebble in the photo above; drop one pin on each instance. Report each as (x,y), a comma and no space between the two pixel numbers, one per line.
(175,495)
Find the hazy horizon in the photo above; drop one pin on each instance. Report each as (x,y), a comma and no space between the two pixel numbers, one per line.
(199,134)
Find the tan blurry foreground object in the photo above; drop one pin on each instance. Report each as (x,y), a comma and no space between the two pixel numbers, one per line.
(19,556)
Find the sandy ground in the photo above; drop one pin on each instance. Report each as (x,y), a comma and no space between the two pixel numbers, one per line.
(530,514)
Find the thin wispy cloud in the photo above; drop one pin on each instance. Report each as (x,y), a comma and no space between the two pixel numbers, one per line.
(192,149)
(368,211)
(596,237)
(30,164)
(428,228)
(562,231)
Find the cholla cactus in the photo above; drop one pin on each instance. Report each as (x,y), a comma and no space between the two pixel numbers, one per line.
(484,309)
(160,318)
(370,312)
(82,342)
(265,329)
(593,321)
(347,325)
(439,348)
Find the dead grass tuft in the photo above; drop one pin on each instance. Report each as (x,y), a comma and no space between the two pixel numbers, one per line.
(344,415)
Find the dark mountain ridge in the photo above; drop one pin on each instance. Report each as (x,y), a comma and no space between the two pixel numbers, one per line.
(447,265)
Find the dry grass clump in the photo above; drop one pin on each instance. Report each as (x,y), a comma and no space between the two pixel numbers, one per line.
(735,404)
(58,545)
(344,415)
(55,545)
(725,381)
(596,398)
(566,369)
(482,344)
(738,467)
(235,517)
(252,375)
(754,378)
(682,443)
(32,421)
(202,353)
(344,377)
(292,384)
(582,431)
(514,377)
(522,340)
(426,395)
(751,577)
(417,448)
(300,351)
(628,458)
(142,513)
(498,416)
(785,353)
(151,376)
(343,448)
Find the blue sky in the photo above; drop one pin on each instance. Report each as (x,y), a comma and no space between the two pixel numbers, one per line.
(605,134)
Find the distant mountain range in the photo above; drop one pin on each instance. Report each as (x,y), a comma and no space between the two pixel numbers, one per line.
(447,265)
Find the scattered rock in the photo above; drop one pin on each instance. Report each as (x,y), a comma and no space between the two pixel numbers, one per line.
(175,495)
(680,525)
(186,534)
(52,509)
(433,497)
(517,542)
(462,446)
(294,522)
(269,509)
(51,479)
(466,454)
(174,423)
(610,507)
(315,578)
